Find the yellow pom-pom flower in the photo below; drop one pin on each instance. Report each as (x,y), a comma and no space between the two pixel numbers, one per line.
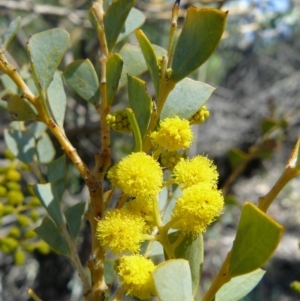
(15,197)
(13,175)
(3,191)
(136,276)
(173,134)
(43,247)
(138,175)
(8,244)
(199,169)
(19,257)
(198,207)
(121,231)
(142,207)
(23,220)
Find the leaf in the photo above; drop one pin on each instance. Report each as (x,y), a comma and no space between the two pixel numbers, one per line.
(256,240)
(45,149)
(140,102)
(138,145)
(57,98)
(37,129)
(19,109)
(172,280)
(268,124)
(114,20)
(51,235)
(113,73)
(9,84)
(168,208)
(240,286)
(135,19)
(57,172)
(200,35)
(21,144)
(134,62)
(50,194)
(154,249)
(46,50)
(74,218)
(150,59)
(109,271)
(186,99)
(57,169)
(82,78)
(11,32)
(191,248)
(237,157)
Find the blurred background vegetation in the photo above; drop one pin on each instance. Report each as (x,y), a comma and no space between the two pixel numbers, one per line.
(254,118)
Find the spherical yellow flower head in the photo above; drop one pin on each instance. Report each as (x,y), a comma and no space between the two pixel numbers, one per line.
(136,276)
(198,207)
(191,172)
(142,207)
(173,134)
(121,231)
(138,175)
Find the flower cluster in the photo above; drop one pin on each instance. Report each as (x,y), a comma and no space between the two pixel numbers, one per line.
(119,122)
(200,202)
(17,202)
(140,177)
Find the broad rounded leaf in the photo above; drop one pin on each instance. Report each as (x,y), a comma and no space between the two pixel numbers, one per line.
(200,35)
(50,234)
(82,78)
(11,32)
(168,206)
(57,169)
(21,144)
(74,217)
(45,149)
(150,59)
(19,109)
(172,280)
(135,19)
(114,20)
(57,98)
(134,62)
(49,195)
(140,102)
(37,129)
(256,240)
(190,248)
(186,99)
(240,286)
(113,73)
(46,50)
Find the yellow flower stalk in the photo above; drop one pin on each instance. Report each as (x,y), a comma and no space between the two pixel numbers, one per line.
(138,175)
(198,207)
(173,134)
(121,231)
(197,170)
(136,276)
